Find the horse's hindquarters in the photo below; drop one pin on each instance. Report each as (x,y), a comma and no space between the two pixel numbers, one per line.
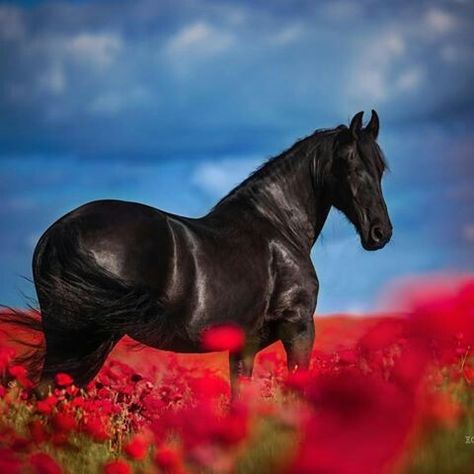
(128,240)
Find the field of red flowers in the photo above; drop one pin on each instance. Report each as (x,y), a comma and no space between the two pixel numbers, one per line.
(385,394)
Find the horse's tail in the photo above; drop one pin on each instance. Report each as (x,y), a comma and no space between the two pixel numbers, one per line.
(29,323)
(84,309)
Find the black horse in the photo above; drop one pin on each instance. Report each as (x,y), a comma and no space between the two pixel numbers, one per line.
(111,268)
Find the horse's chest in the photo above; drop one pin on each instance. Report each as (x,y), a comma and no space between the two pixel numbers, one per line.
(294,286)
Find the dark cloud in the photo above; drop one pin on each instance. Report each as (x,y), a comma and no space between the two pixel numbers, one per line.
(161,79)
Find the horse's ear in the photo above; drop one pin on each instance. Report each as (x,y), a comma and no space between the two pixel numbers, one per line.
(374,125)
(356,124)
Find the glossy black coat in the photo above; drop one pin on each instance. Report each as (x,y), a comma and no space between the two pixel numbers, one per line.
(111,268)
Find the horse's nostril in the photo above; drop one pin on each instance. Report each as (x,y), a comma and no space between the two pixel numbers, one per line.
(376,233)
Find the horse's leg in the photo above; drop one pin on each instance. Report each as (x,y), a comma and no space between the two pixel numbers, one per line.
(241,365)
(298,338)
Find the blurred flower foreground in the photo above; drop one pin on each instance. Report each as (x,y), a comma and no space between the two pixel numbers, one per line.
(385,394)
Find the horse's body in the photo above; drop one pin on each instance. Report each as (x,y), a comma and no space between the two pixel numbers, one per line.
(111,268)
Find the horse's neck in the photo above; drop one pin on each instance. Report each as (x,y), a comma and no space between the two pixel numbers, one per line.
(293,204)
(288,197)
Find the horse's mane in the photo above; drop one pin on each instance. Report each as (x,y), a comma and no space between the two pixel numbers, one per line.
(268,168)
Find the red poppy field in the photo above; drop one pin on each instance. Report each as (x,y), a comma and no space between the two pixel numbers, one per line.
(385,394)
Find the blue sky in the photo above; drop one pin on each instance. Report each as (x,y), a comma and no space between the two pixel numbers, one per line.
(172,103)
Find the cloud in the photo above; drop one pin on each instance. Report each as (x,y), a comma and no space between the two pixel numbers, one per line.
(219,76)
(199,38)
(409,79)
(386,70)
(289,34)
(99,48)
(111,103)
(216,178)
(53,80)
(374,70)
(439,21)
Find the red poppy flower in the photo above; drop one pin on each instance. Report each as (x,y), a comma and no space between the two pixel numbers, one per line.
(356,410)
(137,447)
(233,429)
(299,380)
(64,422)
(38,432)
(167,458)
(21,375)
(45,406)
(9,463)
(42,463)
(223,338)
(17,371)
(117,467)
(444,315)
(95,428)
(19,443)
(60,438)
(63,380)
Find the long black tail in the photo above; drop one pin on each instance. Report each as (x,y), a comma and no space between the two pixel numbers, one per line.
(85,310)
(29,323)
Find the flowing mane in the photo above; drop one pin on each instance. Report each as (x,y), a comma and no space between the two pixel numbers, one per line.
(304,147)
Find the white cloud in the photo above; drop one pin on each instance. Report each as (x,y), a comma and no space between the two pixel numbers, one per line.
(439,21)
(113,102)
(409,79)
(288,35)
(99,48)
(199,38)
(370,82)
(53,80)
(393,44)
(372,72)
(216,178)
(386,69)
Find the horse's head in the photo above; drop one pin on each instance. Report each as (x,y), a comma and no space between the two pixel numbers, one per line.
(356,175)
